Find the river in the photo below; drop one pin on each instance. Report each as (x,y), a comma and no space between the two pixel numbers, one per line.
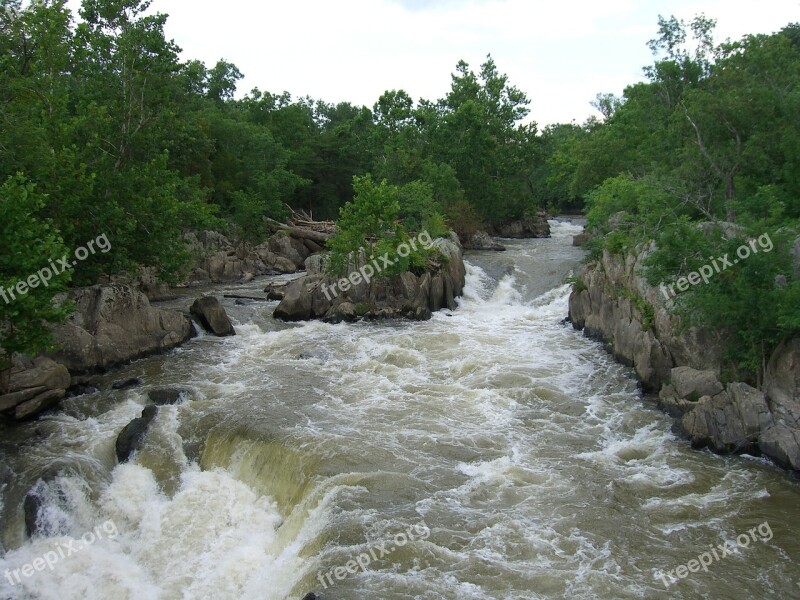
(489,453)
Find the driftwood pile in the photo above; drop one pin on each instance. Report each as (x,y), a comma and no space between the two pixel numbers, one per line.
(303,227)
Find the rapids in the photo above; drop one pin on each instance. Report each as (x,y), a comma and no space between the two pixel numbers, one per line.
(491,452)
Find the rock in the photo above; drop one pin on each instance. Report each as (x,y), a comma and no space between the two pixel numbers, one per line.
(131,438)
(10,401)
(406,295)
(34,386)
(166,396)
(672,404)
(290,248)
(276,290)
(691,384)
(580,240)
(315,264)
(481,240)
(44,372)
(346,311)
(782,445)
(782,383)
(44,508)
(32,507)
(296,303)
(114,324)
(283,265)
(39,404)
(247,278)
(528,227)
(731,422)
(212,316)
(126,384)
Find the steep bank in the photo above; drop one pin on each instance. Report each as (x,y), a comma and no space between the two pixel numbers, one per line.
(613,303)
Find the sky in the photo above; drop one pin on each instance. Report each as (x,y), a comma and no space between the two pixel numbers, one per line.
(561,53)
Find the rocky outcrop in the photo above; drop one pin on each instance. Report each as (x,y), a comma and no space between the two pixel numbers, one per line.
(527,227)
(727,420)
(131,438)
(112,325)
(481,240)
(318,296)
(212,317)
(613,303)
(219,260)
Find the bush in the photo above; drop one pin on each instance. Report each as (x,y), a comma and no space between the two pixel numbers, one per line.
(378,223)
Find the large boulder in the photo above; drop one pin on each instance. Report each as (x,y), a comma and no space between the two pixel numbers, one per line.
(693,384)
(782,445)
(114,324)
(297,299)
(212,316)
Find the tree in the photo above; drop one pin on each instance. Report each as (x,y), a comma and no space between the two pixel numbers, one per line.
(28,283)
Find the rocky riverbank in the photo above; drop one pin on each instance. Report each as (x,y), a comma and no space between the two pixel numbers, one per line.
(613,303)
(115,323)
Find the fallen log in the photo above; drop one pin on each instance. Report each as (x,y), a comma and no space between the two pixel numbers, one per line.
(302,233)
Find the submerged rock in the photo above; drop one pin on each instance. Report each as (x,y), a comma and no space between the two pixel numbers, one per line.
(212,317)
(166,396)
(126,384)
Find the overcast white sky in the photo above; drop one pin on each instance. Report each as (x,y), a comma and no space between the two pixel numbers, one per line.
(560,53)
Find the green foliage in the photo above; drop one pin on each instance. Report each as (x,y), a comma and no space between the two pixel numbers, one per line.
(578,285)
(752,303)
(380,219)
(29,244)
(702,159)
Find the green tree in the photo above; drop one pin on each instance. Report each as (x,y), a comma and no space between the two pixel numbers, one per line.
(28,293)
